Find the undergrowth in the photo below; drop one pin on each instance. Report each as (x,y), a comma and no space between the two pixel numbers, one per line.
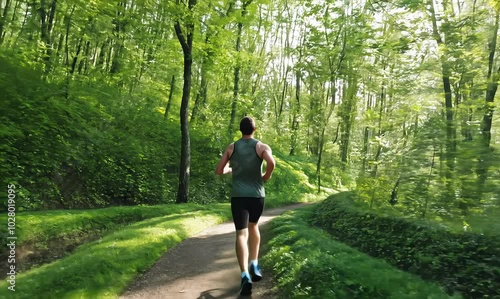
(308,263)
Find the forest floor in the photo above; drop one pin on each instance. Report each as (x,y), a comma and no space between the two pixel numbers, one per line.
(203,267)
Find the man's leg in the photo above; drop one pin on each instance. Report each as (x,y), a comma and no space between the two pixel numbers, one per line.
(254,237)
(242,249)
(240,218)
(253,240)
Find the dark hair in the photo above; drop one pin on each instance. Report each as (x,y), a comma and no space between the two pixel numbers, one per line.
(247,125)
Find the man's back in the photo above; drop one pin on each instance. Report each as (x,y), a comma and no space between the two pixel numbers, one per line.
(246,167)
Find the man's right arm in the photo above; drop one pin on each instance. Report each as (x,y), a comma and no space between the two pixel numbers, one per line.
(223,166)
(267,155)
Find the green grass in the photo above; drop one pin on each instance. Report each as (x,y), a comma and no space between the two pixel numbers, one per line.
(47,235)
(103,268)
(308,263)
(47,225)
(51,234)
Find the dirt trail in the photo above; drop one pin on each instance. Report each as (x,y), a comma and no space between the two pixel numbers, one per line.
(201,267)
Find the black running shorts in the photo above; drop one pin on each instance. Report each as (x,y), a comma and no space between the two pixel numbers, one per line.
(246,209)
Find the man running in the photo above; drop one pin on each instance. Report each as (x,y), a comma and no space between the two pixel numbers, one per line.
(247,197)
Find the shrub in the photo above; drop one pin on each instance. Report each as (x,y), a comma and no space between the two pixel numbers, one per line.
(464,262)
(308,263)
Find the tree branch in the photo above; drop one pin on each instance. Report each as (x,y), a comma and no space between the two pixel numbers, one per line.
(180,36)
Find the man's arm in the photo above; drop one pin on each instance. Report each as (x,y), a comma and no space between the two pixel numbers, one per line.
(267,155)
(223,166)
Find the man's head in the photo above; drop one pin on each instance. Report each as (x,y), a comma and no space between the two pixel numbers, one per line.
(247,125)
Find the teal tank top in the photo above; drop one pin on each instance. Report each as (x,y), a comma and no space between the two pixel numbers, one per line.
(247,171)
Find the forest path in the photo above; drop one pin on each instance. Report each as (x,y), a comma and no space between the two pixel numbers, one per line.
(202,267)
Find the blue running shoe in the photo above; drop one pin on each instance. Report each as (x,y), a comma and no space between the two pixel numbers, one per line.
(255,272)
(246,286)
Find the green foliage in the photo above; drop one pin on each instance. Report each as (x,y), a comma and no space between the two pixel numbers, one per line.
(307,263)
(95,148)
(289,182)
(464,262)
(419,170)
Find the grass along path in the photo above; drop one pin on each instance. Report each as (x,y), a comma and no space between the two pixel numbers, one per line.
(308,263)
(45,236)
(103,268)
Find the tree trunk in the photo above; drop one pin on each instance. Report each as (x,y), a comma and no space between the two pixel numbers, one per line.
(187,49)
(492,83)
(201,96)
(69,72)
(450,128)
(491,89)
(426,200)
(320,157)
(296,114)
(46,24)
(119,30)
(75,58)
(314,114)
(3,18)
(347,116)
(364,151)
(237,68)
(83,62)
(170,96)
(27,14)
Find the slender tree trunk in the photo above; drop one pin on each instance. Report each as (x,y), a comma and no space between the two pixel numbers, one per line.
(23,26)
(492,83)
(320,157)
(237,68)
(366,138)
(426,200)
(450,128)
(381,106)
(83,62)
(46,24)
(296,114)
(75,58)
(201,96)
(491,89)
(450,131)
(13,19)
(186,42)
(364,151)
(312,121)
(170,96)
(66,51)
(279,102)
(347,116)
(3,19)
(118,47)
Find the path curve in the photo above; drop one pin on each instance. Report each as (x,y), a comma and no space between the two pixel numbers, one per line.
(201,267)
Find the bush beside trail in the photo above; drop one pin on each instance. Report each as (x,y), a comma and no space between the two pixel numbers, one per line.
(465,262)
(308,263)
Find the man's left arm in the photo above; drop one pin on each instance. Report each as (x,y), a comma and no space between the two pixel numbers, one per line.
(267,155)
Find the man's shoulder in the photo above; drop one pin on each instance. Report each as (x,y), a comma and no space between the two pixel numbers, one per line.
(260,143)
(262,146)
